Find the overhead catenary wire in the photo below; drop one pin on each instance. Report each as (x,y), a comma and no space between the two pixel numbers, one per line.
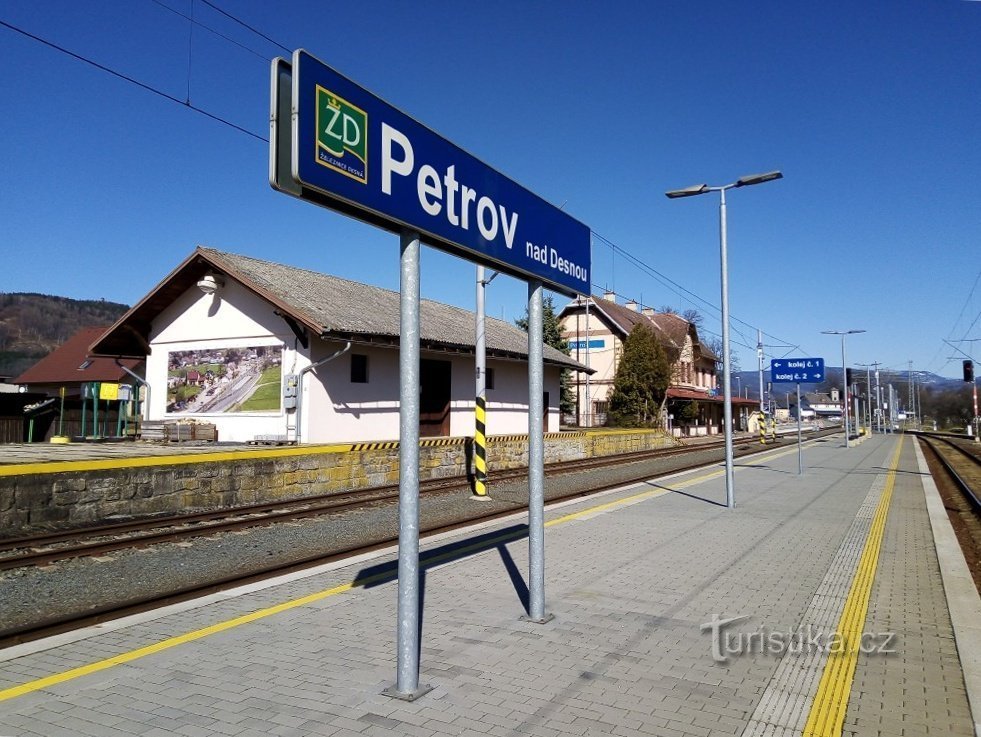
(667,281)
(681,291)
(195,22)
(187,103)
(131,80)
(977,280)
(247,26)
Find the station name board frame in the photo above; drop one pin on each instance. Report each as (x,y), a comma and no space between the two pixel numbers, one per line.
(348,150)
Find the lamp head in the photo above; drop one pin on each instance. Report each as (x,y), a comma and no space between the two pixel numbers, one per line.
(209,283)
(758,178)
(687,191)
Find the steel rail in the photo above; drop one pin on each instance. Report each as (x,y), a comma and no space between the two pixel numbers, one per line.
(147,531)
(955,475)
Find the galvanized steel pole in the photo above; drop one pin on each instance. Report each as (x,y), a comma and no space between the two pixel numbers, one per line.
(800,442)
(844,386)
(536,458)
(726,356)
(407,678)
(726,362)
(589,401)
(759,356)
(480,404)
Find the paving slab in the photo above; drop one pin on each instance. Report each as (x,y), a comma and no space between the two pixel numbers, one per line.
(635,579)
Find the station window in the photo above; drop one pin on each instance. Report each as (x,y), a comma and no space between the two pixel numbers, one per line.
(359,368)
(489,382)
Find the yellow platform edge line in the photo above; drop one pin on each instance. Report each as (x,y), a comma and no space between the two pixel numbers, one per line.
(171,642)
(827,715)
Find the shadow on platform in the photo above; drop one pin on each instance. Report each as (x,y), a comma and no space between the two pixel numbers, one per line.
(387,572)
(684,493)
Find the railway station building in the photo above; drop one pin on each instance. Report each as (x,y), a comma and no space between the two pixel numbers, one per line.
(271,352)
(596,328)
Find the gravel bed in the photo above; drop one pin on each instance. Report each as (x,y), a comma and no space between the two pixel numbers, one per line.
(32,596)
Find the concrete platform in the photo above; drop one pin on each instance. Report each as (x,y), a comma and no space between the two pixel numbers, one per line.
(641,583)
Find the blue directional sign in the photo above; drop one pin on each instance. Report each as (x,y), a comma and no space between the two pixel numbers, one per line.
(357,154)
(797,370)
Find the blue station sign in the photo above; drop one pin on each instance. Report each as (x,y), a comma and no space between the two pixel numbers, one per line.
(362,156)
(797,370)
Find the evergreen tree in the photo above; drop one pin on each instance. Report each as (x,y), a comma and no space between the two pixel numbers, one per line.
(641,382)
(552,334)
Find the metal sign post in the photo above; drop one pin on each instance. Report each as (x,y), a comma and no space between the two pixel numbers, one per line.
(797,371)
(337,145)
(536,459)
(407,674)
(800,443)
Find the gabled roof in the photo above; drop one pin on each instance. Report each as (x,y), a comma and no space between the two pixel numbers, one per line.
(674,326)
(623,319)
(670,328)
(325,306)
(64,365)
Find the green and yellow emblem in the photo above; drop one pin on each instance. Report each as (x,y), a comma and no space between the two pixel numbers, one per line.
(342,135)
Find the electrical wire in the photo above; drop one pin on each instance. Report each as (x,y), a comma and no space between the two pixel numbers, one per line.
(681,291)
(131,80)
(220,35)
(246,25)
(950,335)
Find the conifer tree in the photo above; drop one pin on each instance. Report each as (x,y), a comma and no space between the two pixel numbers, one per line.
(641,382)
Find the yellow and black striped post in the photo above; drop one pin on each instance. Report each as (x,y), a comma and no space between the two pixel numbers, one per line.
(480,406)
(480,448)
(762,424)
(773,428)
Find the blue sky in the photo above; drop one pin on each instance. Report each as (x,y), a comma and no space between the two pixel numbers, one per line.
(870,109)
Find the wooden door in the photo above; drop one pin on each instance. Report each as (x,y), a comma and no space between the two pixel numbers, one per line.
(434,398)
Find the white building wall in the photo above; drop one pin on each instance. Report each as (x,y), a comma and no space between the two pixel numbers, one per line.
(338,410)
(333,408)
(232,318)
(507,402)
(601,354)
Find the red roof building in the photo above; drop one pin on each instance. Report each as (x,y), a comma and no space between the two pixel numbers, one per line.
(70,365)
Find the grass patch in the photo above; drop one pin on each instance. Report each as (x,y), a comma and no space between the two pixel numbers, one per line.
(266,395)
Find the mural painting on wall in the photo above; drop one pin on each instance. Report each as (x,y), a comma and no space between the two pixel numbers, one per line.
(221,380)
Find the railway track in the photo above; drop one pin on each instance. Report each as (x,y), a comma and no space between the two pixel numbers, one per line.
(49,547)
(379,495)
(961,461)
(955,464)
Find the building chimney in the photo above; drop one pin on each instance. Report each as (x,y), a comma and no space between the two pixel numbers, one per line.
(649,311)
(610,297)
(631,305)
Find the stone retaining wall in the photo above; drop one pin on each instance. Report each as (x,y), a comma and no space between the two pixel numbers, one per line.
(32,502)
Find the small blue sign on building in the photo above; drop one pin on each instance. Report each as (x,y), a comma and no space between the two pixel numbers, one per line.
(361,156)
(581,345)
(797,370)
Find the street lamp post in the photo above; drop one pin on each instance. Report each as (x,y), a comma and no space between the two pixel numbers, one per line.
(726,359)
(844,373)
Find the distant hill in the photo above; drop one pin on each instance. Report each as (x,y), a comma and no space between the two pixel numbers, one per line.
(33,325)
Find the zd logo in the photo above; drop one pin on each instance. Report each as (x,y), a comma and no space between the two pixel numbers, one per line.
(342,135)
